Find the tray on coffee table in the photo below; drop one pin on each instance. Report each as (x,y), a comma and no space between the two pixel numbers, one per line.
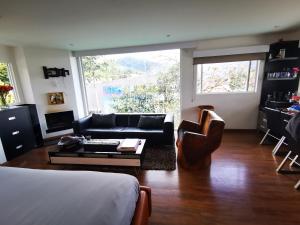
(107,158)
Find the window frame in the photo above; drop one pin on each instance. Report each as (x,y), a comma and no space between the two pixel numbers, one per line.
(83,84)
(195,75)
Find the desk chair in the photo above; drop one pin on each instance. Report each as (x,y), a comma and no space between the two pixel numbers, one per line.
(276,128)
(293,137)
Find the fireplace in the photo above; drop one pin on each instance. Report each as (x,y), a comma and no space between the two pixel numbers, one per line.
(59,121)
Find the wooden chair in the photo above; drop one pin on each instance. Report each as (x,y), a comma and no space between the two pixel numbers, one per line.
(201,108)
(197,141)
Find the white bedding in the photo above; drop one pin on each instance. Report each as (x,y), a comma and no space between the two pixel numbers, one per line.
(50,197)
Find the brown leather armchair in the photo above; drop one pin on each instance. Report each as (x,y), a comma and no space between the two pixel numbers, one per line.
(203,107)
(196,141)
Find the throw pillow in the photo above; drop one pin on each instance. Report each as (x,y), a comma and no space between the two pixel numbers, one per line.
(151,122)
(103,120)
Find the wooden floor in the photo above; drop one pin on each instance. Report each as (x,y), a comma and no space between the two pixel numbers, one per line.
(241,187)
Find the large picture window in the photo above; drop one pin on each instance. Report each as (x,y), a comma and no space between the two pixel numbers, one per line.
(7,78)
(145,82)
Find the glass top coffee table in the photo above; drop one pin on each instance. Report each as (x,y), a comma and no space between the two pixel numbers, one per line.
(103,158)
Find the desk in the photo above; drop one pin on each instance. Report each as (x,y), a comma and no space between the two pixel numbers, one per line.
(262,118)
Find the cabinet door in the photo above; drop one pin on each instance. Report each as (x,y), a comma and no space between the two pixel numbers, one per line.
(16,132)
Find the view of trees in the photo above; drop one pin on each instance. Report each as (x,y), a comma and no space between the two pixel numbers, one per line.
(149,82)
(227,77)
(4,79)
(3,74)
(162,96)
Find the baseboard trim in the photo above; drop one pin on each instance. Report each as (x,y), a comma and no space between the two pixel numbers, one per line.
(240,130)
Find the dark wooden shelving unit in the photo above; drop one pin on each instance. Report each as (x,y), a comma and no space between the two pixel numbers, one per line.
(280,86)
(284,59)
(275,79)
(283,83)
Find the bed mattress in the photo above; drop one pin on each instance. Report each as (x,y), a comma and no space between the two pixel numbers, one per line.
(51,197)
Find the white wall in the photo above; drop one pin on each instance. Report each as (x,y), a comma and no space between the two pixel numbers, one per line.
(2,154)
(24,76)
(32,87)
(34,59)
(249,40)
(239,111)
(77,79)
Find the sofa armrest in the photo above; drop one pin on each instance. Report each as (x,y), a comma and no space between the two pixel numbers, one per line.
(81,124)
(168,128)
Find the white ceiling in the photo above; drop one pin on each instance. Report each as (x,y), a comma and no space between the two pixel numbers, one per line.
(98,24)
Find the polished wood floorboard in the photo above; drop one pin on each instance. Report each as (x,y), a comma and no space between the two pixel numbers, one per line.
(241,187)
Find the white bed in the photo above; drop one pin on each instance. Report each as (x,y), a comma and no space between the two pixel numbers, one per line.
(49,197)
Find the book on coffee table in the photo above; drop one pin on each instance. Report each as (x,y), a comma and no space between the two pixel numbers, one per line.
(129,145)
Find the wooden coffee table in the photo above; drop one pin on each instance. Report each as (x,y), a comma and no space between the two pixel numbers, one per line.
(112,158)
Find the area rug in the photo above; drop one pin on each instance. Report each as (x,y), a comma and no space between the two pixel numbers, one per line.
(159,158)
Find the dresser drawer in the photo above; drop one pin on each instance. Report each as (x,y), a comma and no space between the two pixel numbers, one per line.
(15,148)
(14,119)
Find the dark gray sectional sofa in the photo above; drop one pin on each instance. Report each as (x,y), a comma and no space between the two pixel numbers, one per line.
(129,126)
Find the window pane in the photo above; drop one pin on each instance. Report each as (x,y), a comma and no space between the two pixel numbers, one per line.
(5,80)
(226,77)
(253,76)
(135,82)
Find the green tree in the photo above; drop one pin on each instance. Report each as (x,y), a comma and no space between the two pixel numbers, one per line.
(160,97)
(4,73)
(99,68)
(141,99)
(4,79)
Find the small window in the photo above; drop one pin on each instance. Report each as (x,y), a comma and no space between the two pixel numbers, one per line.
(227,77)
(7,78)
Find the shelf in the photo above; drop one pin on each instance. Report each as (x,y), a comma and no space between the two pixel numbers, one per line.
(284,59)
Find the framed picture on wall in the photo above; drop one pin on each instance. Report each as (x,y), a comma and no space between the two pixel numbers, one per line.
(56,98)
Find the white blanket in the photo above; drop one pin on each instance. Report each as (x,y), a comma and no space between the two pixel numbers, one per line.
(50,197)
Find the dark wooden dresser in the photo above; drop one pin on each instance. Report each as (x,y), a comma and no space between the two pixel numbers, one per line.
(16,131)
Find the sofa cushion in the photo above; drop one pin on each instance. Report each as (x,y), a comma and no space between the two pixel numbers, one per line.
(122,120)
(103,120)
(133,120)
(151,122)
